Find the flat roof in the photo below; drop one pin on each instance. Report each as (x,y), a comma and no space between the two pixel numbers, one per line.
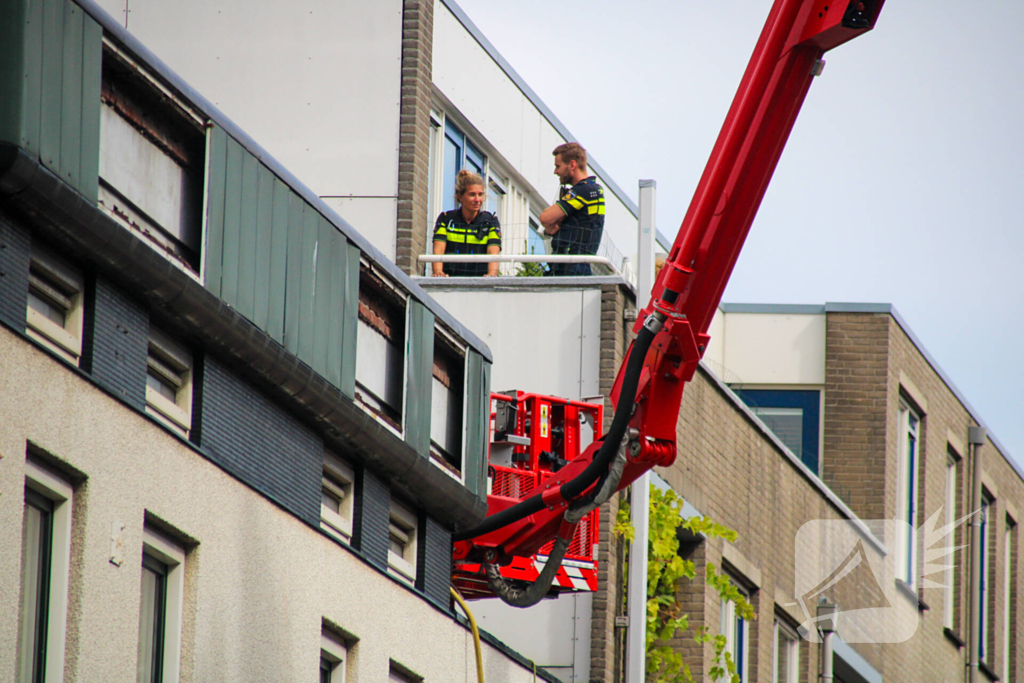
(889,309)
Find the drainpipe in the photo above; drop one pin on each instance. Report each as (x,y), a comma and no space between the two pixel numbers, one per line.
(636,596)
(976,437)
(827,625)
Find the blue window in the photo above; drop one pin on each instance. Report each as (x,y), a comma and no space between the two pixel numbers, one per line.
(793,415)
(459,153)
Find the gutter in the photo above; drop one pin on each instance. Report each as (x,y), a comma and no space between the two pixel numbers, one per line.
(60,214)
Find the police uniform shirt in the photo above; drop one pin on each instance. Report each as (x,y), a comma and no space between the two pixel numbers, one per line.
(581,229)
(467,238)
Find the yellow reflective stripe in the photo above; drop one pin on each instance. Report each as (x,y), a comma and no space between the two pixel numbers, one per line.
(595,210)
(464,238)
(592,201)
(576,203)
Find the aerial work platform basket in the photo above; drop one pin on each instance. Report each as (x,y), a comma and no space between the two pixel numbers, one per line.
(532,437)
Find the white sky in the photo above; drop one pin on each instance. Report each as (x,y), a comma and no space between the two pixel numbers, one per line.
(897,184)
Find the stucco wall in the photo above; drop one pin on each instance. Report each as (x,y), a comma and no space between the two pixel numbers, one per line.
(258,580)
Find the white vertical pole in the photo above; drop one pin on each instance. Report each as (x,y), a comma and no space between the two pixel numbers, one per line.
(636,603)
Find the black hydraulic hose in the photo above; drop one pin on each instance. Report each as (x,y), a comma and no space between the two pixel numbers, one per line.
(609,446)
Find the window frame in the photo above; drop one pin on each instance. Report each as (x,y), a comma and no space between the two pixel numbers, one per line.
(454,355)
(1007,595)
(59,285)
(173,557)
(403,518)
(737,634)
(169,362)
(908,468)
(983,570)
(806,398)
(792,654)
(336,653)
(338,479)
(948,599)
(392,311)
(48,485)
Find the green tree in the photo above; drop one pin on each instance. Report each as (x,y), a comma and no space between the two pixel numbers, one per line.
(665,568)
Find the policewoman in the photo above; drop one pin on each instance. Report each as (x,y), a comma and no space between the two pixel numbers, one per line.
(467,230)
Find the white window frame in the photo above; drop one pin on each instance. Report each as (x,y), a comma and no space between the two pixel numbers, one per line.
(403,524)
(339,482)
(61,286)
(171,364)
(908,464)
(60,492)
(733,625)
(335,652)
(791,642)
(950,504)
(1007,607)
(173,556)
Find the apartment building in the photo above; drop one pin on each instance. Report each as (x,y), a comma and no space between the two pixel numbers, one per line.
(236,437)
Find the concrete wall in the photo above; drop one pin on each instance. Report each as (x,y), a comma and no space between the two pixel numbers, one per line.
(546,338)
(258,580)
(484,94)
(768,348)
(316,82)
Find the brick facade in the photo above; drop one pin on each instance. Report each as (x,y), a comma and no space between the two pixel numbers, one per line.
(733,471)
(414,133)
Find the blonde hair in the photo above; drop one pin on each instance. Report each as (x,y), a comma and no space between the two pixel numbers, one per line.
(464,181)
(572,151)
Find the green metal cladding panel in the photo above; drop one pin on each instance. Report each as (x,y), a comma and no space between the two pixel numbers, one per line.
(280,263)
(478,396)
(50,72)
(419,363)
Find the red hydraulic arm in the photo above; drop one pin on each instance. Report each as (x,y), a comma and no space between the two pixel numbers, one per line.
(689,287)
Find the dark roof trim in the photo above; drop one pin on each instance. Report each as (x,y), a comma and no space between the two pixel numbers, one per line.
(514,76)
(152,62)
(889,309)
(58,212)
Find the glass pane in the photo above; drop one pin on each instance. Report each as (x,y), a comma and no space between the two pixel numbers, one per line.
(534,242)
(151,622)
(474,159)
(785,423)
(452,166)
(37,531)
(784,660)
(330,501)
(46,309)
(162,388)
(494,197)
(325,669)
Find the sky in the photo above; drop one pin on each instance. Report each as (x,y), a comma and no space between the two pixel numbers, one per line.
(901,181)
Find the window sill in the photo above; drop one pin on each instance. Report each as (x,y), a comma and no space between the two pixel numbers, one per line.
(910,593)
(59,340)
(953,637)
(989,673)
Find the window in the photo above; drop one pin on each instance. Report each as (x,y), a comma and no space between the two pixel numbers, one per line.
(734,628)
(55,304)
(336,498)
(333,658)
(45,558)
(380,348)
(446,404)
(160,610)
(983,597)
(152,159)
(792,415)
(786,660)
(1008,597)
(495,196)
(535,244)
(169,382)
(402,542)
(950,504)
(906,495)
(459,153)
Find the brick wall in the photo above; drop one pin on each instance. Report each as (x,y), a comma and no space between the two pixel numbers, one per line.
(855,417)
(115,341)
(414,133)
(258,442)
(15,256)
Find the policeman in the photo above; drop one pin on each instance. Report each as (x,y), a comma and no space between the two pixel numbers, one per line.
(576,220)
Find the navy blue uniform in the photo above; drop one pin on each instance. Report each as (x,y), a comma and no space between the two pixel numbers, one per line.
(461,237)
(581,229)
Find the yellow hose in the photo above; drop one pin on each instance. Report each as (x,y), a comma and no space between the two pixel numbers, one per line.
(476,635)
